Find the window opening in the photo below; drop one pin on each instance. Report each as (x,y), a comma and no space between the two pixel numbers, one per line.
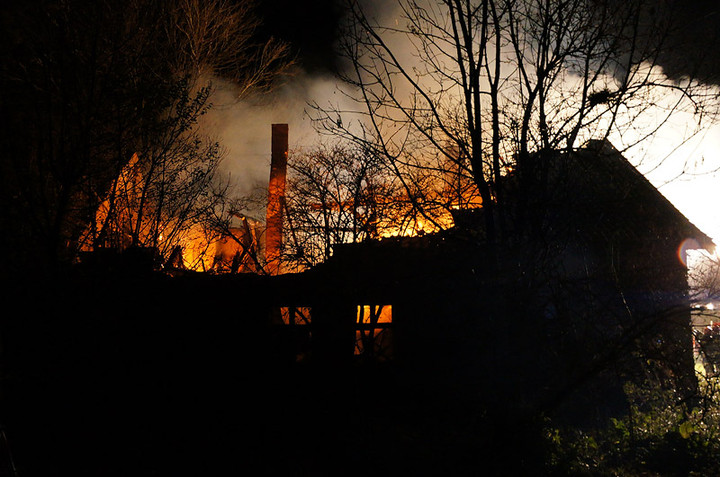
(373,332)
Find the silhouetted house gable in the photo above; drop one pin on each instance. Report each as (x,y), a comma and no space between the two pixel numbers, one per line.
(617,200)
(628,240)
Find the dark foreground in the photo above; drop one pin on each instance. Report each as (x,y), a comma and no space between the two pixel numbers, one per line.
(139,377)
(148,376)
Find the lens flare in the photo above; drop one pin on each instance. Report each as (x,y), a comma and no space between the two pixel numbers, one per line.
(687,244)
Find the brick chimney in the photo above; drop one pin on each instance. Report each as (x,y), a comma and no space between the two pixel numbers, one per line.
(276,198)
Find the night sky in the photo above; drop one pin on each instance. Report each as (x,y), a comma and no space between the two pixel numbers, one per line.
(311,27)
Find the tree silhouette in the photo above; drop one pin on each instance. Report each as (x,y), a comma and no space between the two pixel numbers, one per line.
(490,85)
(89,87)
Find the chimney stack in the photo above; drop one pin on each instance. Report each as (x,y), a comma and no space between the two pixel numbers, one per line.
(276,198)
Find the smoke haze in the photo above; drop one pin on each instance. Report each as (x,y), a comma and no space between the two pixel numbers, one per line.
(312,29)
(243,127)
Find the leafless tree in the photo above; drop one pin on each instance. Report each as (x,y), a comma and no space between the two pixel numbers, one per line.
(335,195)
(232,222)
(102,87)
(219,38)
(489,85)
(163,197)
(500,92)
(344,193)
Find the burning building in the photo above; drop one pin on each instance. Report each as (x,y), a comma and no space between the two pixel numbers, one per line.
(596,299)
(595,296)
(135,215)
(593,277)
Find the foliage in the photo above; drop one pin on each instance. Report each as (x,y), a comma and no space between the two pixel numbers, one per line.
(658,436)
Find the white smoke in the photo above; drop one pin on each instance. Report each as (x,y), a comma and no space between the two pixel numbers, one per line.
(244,129)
